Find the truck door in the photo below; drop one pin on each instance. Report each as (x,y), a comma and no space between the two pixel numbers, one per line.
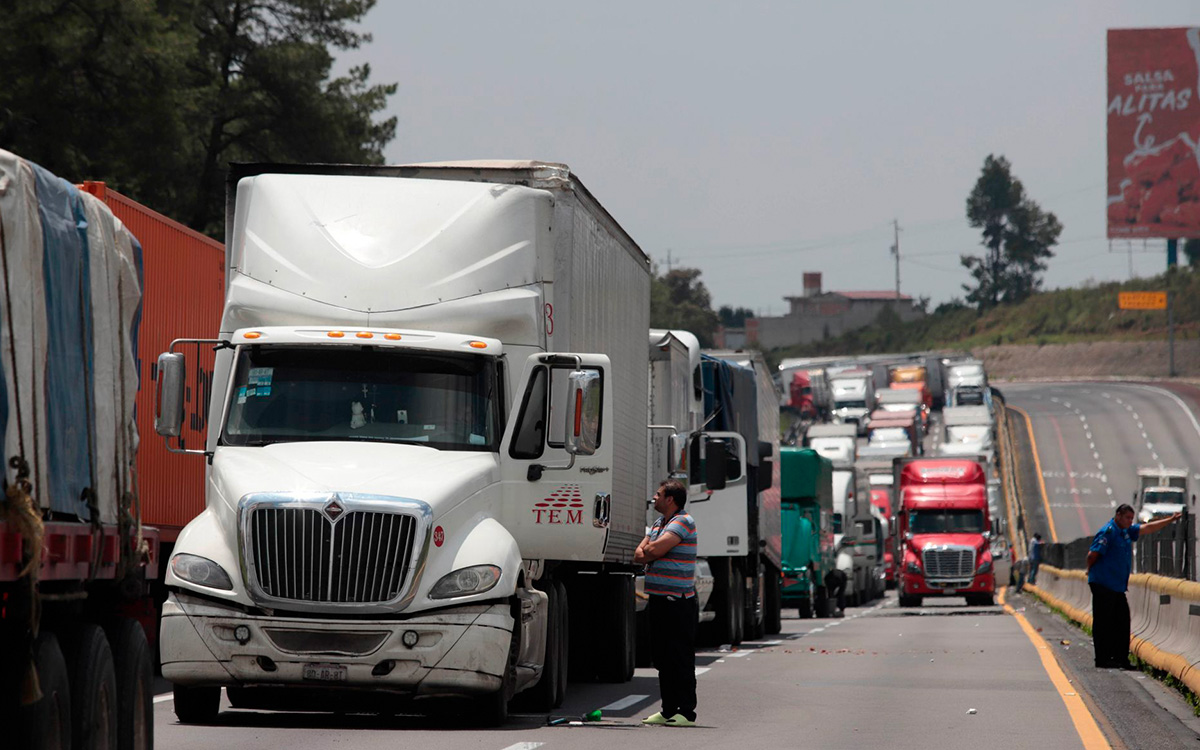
(556,504)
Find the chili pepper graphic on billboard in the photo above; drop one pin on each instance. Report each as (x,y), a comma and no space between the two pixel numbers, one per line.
(1153,130)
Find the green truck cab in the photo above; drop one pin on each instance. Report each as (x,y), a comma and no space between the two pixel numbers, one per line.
(806,479)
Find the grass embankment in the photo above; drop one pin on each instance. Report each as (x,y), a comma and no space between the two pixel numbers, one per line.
(1058,317)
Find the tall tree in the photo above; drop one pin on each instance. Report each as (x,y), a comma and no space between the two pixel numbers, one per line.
(157,97)
(680,300)
(732,317)
(263,93)
(1017,235)
(1191,249)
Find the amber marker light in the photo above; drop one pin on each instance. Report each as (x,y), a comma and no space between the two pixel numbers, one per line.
(335,334)
(365,335)
(251,335)
(392,336)
(477,345)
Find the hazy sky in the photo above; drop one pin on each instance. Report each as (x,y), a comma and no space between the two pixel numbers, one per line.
(759,140)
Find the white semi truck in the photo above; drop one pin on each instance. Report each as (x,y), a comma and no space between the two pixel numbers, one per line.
(426,446)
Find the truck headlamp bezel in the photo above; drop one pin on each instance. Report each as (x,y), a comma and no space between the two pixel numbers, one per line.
(984,567)
(912,567)
(200,571)
(474,579)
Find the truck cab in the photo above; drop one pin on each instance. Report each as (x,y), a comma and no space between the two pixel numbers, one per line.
(1161,492)
(945,529)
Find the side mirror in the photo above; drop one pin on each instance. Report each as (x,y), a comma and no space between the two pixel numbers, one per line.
(837,523)
(677,460)
(168,413)
(583,416)
(715,457)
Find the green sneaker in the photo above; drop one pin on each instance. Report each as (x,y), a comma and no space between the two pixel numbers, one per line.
(655,718)
(679,720)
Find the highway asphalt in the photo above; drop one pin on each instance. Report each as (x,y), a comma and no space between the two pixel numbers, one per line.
(943,675)
(1092,437)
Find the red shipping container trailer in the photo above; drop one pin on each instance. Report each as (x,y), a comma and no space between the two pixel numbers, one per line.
(182,297)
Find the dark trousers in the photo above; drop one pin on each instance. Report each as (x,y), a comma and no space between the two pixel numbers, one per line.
(1033,569)
(1110,626)
(673,648)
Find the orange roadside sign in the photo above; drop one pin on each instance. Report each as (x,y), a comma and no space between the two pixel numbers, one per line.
(1142,300)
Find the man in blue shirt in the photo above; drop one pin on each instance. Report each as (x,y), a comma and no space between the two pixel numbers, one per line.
(1109,562)
(1035,557)
(669,553)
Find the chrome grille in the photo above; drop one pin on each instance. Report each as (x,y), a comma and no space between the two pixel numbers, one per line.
(952,562)
(298,554)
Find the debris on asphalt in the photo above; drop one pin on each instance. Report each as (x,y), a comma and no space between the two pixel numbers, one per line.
(972,711)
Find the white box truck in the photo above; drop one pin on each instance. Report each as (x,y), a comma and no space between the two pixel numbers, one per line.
(426,446)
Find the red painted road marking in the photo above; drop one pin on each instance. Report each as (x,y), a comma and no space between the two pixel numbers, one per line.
(1071,477)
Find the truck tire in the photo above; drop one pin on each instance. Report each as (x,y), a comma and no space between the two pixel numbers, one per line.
(980,600)
(806,609)
(820,604)
(93,689)
(619,665)
(547,693)
(46,725)
(754,619)
(564,615)
(197,704)
(737,629)
(135,690)
(909,601)
(772,602)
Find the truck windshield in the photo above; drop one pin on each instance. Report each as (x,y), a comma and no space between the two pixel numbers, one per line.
(303,393)
(1163,496)
(946,521)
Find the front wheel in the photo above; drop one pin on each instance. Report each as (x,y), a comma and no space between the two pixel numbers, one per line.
(772,602)
(910,601)
(980,600)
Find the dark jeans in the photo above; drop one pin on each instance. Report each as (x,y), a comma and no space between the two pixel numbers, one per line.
(673,648)
(1110,626)
(835,587)
(1033,569)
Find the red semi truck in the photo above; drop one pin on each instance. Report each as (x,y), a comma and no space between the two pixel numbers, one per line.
(945,530)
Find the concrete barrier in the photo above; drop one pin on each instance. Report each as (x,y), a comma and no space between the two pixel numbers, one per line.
(1164,616)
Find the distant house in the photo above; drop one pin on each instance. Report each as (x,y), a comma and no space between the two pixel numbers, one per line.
(817,315)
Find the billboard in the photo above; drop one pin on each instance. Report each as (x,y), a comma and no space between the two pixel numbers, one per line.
(1153,130)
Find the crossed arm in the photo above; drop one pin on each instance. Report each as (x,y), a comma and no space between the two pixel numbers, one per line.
(648,551)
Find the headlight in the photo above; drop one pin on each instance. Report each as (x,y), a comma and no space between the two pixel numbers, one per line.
(985,567)
(466,581)
(201,571)
(912,567)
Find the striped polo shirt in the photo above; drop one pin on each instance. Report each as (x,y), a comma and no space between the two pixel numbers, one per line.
(675,573)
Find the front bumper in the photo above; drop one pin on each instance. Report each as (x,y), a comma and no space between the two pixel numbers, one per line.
(459,651)
(914,584)
(796,585)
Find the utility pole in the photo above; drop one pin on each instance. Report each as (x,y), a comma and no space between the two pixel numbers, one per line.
(668,260)
(896,252)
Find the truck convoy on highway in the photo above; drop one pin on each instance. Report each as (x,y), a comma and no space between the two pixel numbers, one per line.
(808,548)
(743,545)
(1161,492)
(423,476)
(946,528)
(92,282)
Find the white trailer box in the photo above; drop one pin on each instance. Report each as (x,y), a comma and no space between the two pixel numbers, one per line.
(404,348)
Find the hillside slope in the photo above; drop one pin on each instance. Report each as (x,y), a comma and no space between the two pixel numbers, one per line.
(1058,317)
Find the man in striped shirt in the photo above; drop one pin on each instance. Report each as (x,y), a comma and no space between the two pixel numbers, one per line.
(669,553)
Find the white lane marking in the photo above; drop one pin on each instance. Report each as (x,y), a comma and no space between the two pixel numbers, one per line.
(1095,455)
(1092,446)
(1141,426)
(1173,397)
(1145,436)
(1108,490)
(525,746)
(772,643)
(626,702)
(738,654)
(1154,456)
(702,670)
(164,697)
(1088,435)
(1150,445)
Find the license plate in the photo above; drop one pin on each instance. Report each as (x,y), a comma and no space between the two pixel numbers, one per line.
(325,672)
